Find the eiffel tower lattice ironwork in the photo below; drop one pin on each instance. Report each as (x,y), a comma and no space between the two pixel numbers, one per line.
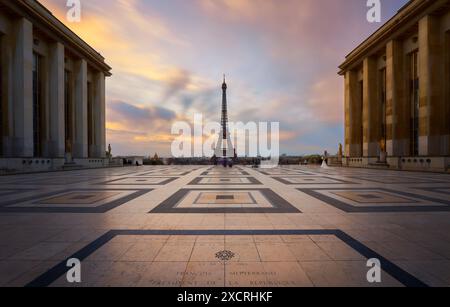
(224,147)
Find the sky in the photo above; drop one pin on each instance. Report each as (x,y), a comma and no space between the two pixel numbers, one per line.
(169,56)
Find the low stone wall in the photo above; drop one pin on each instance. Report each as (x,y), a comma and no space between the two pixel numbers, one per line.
(423,164)
(34,165)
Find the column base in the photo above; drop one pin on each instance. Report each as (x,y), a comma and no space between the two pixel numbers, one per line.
(21,147)
(371,149)
(80,151)
(434,145)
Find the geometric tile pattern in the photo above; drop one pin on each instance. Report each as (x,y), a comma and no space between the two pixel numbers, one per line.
(310,180)
(225,173)
(224,181)
(79,198)
(140,181)
(73,201)
(395,179)
(225,201)
(439,190)
(377,200)
(259,267)
(213,226)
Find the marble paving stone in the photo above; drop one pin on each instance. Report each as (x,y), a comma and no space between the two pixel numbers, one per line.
(286,274)
(337,274)
(271,251)
(243,252)
(136,181)
(315,227)
(245,274)
(74,201)
(204,274)
(176,252)
(92,272)
(377,200)
(79,198)
(302,180)
(223,181)
(308,251)
(163,274)
(122,274)
(229,200)
(206,251)
(142,252)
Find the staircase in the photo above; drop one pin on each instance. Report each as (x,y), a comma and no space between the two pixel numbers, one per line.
(379,165)
(334,162)
(71,166)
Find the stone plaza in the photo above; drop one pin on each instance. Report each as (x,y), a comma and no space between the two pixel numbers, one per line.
(214,227)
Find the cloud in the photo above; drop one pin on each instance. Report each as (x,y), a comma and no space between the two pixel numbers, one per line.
(168,57)
(138,115)
(325,100)
(177,83)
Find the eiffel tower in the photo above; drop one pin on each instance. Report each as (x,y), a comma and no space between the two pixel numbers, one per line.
(224,147)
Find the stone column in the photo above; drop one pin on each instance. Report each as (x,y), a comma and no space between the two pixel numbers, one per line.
(7,106)
(397,103)
(56,101)
(347,102)
(352,115)
(371,109)
(99,116)
(80,149)
(431,74)
(22,91)
(447,91)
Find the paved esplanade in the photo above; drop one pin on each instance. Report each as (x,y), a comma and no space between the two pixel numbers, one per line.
(204,226)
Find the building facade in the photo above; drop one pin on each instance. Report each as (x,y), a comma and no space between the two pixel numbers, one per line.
(397,92)
(52,92)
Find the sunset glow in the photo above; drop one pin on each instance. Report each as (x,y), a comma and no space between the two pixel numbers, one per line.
(168,58)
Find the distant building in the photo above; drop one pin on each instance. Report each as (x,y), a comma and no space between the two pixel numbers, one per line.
(52,92)
(133,160)
(397,92)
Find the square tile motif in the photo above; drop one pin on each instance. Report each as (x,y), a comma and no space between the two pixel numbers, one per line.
(395,179)
(164,173)
(225,181)
(79,198)
(438,190)
(277,172)
(377,200)
(310,180)
(224,198)
(225,201)
(370,197)
(165,258)
(73,201)
(140,181)
(225,172)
